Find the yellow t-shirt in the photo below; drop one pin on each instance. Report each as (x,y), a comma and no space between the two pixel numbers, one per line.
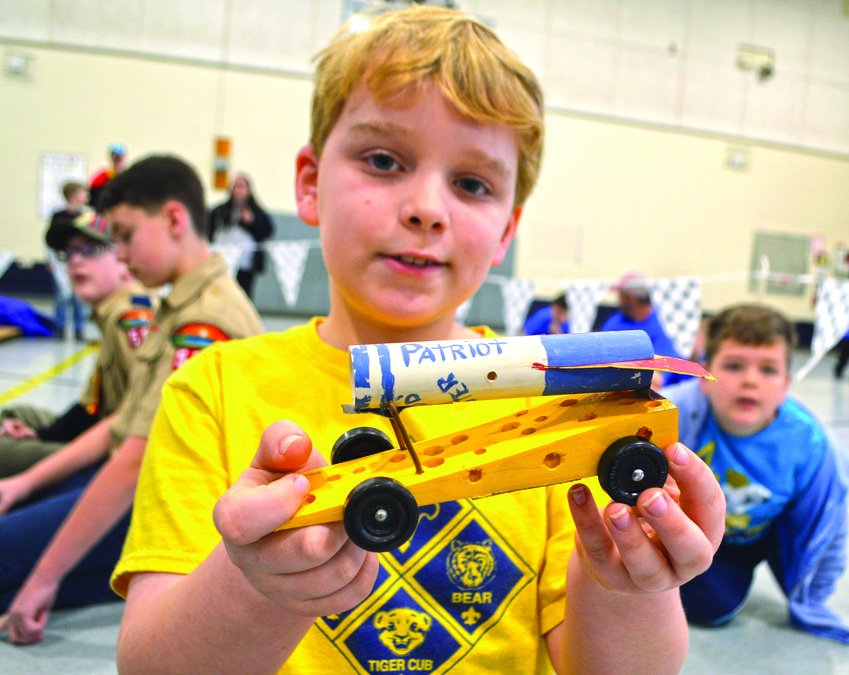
(475,589)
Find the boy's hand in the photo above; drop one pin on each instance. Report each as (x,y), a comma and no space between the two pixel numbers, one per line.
(12,491)
(28,613)
(310,571)
(16,429)
(666,540)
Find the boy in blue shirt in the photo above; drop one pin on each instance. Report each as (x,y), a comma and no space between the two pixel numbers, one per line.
(782,476)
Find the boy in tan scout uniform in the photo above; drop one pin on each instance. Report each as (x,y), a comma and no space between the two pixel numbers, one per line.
(122,311)
(157,214)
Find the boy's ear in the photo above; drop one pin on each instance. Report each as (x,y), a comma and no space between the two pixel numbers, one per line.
(507,236)
(177,218)
(306,185)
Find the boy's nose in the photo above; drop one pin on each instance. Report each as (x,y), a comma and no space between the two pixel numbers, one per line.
(426,206)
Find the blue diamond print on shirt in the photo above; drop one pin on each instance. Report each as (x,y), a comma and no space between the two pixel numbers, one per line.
(401,635)
(473,578)
(432,519)
(329,625)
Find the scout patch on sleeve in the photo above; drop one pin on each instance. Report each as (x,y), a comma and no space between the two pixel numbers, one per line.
(135,324)
(190,338)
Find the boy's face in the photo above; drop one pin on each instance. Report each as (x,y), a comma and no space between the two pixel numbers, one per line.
(751,382)
(415,204)
(144,242)
(94,269)
(78,199)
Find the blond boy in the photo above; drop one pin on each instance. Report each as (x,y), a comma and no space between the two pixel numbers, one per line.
(426,141)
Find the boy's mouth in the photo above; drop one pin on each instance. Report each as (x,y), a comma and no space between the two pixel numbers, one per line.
(415,261)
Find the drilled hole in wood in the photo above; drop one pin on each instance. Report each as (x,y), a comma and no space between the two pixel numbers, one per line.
(359,469)
(398,457)
(480,451)
(492,376)
(655,404)
(310,499)
(528,431)
(552,460)
(627,401)
(568,403)
(475,475)
(586,417)
(433,450)
(520,413)
(509,426)
(459,439)
(334,476)
(644,432)
(434,462)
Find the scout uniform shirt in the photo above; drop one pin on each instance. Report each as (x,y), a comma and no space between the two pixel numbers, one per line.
(124,319)
(204,306)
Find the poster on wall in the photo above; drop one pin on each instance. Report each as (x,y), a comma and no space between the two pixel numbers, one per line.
(56,169)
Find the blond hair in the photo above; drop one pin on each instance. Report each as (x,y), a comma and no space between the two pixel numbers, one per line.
(402,50)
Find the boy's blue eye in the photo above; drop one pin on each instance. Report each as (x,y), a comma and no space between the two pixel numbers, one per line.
(473,186)
(382,161)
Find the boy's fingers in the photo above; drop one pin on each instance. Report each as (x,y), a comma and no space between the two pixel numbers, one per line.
(266,495)
(245,515)
(701,496)
(647,565)
(284,446)
(595,544)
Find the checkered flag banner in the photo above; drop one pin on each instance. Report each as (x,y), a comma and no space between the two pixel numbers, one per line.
(678,301)
(6,260)
(583,296)
(518,295)
(831,321)
(289,257)
(462,312)
(232,253)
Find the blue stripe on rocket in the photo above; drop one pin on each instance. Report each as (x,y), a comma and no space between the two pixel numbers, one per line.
(360,369)
(582,349)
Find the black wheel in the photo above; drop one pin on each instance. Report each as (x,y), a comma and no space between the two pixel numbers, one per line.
(359,442)
(380,514)
(630,466)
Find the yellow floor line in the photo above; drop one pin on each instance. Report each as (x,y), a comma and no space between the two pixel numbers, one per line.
(33,382)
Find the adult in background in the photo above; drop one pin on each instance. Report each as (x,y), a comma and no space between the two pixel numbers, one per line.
(552,319)
(637,313)
(240,223)
(117,163)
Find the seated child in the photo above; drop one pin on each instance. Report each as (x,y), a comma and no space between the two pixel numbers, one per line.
(426,141)
(122,311)
(783,477)
(552,319)
(60,550)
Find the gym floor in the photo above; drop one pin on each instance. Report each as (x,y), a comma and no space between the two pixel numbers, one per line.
(52,373)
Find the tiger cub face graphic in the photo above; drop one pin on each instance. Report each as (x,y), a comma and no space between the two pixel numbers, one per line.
(470,565)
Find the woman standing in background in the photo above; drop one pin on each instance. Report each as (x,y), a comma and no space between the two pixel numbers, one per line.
(240,224)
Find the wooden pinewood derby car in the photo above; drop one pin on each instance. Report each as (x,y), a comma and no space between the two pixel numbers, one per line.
(599,417)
